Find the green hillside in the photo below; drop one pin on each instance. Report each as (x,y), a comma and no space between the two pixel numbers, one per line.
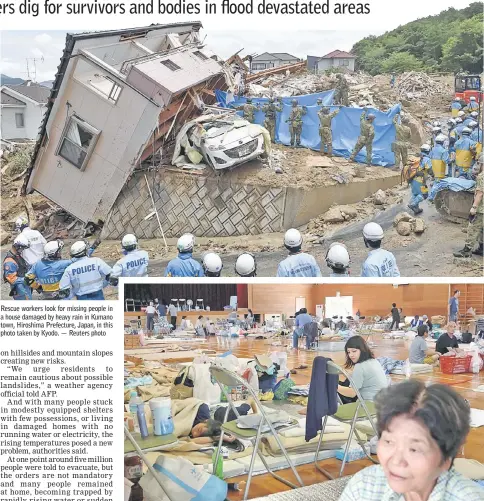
(450,41)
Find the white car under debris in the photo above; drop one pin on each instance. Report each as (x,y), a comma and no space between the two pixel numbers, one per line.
(221,140)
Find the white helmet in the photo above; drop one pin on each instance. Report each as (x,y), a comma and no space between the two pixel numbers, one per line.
(425,148)
(461,114)
(436,123)
(245,266)
(472,98)
(186,243)
(440,138)
(212,264)
(293,239)
(373,232)
(437,130)
(451,122)
(79,249)
(458,120)
(337,257)
(474,114)
(129,242)
(52,250)
(473,124)
(21,242)
(467,131)
(21,223)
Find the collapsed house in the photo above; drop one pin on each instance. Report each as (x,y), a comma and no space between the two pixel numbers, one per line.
(116,98)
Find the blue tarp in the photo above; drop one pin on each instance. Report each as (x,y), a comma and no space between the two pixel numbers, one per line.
(345,126)
(452,184)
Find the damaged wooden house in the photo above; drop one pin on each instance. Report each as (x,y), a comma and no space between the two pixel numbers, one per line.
(117,98)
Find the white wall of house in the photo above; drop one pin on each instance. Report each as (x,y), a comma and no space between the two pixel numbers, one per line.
(32,117)
(325,64)
(262,65)
(124,126)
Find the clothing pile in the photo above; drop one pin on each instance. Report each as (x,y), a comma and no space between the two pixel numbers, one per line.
(298,394)
(266,372)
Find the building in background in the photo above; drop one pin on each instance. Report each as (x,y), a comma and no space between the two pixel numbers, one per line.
(335,59)
(272,60)
(21,110)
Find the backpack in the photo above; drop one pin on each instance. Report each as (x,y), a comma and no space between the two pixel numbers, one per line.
(410,170)
(466,337)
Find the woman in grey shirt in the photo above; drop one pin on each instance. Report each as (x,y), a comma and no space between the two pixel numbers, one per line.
(368,375)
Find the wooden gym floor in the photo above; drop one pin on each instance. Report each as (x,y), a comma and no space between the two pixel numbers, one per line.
(262,485)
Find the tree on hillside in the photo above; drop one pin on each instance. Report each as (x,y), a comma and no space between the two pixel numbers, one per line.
(400,62)
(464,52)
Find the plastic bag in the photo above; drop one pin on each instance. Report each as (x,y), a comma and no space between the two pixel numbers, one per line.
(182,481)
(476,363)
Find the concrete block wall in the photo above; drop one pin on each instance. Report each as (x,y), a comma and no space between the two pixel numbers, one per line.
(195,204)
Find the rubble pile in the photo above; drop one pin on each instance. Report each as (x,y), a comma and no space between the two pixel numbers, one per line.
(418,85)
(341,214)
(405,224)
(294,84)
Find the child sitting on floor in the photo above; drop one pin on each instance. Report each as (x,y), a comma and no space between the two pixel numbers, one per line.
(419,350)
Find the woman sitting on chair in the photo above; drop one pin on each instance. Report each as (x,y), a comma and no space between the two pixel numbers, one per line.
(420,431)
(368,375)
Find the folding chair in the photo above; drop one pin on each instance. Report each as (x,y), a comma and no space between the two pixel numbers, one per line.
(129,304)
(225,379)
(353,413)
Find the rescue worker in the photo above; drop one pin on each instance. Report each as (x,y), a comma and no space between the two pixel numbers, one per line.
(476,135)
(86,276)
(48,271)
(271,109)
(455,107)
(184,265)
(418,184)
(380,262)
(298,263)
(35,251)
(249,110)
(133,264)
(392,80)
(245,265)
(325,133)
(338,260)
(474,115)
(465,151)
(295,121)
(459,127)
(365,139)
(212,264)
(436,130)
(475,227)
(14,269)
(439,158)
(472,105)
(403,136)
(451,132)
(342,90)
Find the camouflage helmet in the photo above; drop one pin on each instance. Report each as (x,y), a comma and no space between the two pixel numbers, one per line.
(325,110)
(294,102)
(371,116)
(319,102)
(249,100)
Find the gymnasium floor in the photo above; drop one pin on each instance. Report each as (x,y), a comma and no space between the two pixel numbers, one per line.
(263,485)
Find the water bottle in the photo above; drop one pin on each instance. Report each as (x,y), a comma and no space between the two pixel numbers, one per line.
(408,368)
(143,427)
(218,469)
(133,409)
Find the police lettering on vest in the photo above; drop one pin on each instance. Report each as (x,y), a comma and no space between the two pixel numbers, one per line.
(83,269)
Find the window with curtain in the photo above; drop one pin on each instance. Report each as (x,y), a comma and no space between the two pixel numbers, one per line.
(77,142)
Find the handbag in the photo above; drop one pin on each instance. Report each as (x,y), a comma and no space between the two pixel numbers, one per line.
(183,389)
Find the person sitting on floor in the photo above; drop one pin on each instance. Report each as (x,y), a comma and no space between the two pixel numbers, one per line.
(415,322)
(205,428)
(421,430)
(199,328)
(184,323)
(368,375)
(419,353)
(447,341)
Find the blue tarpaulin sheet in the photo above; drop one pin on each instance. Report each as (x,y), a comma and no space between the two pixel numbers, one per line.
(345,126)
(452,184)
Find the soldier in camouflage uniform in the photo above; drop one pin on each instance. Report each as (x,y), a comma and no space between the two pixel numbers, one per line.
(325,118)
(475,229)
(342,90)
(402,141)
(270,109)
(295,121)
(365,139)
(248,110)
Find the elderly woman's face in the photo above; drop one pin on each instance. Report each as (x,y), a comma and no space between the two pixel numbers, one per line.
(410,457)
